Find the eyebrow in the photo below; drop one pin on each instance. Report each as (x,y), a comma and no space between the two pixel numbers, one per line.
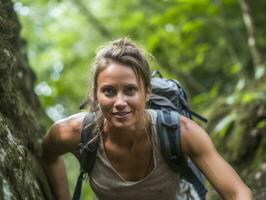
(126,85)
(132,84)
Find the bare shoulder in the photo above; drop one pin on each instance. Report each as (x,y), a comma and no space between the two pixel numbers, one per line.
(64,136)
(69,125)
(194,139)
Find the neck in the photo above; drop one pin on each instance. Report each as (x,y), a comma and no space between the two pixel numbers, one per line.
(128,137)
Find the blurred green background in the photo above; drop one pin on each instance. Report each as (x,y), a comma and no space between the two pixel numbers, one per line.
(205,44)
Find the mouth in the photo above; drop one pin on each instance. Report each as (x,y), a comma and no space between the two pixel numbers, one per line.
(121,114)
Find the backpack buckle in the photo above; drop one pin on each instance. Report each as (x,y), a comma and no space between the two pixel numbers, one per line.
(174,158)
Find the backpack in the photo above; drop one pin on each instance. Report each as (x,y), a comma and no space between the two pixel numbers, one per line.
(169,99)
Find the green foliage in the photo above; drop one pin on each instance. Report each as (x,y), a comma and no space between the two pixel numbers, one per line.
(72,167)
(223,126)
(238,124)
(60,46)
(201,43)
(194,41)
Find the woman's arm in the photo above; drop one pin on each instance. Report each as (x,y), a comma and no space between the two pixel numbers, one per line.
(198,146)
(63,137)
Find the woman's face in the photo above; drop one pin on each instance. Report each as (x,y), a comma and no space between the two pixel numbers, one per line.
(121,96)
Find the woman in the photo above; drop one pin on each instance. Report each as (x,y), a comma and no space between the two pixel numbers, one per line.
(129,163)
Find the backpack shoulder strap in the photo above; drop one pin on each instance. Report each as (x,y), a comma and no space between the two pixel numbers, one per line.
(88,142)
(170,140)
(89,138)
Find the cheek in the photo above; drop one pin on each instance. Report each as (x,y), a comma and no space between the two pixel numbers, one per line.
(138,102)
(104,103)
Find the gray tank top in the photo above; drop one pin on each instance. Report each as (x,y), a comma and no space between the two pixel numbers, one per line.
(160,183)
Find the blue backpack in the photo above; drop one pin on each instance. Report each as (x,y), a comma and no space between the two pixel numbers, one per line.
(169,99)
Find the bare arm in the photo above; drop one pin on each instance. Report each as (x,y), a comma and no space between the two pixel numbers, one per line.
(63,137)
(199,147)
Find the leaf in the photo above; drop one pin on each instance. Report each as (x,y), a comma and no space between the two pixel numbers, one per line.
(222,127)
(260,71)
(261,124)
(240,85)
(248,97)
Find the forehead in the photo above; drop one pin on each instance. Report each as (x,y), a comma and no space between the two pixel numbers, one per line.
(116,73)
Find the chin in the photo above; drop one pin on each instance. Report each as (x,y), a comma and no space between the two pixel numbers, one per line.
(126,124)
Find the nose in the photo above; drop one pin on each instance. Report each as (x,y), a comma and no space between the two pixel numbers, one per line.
(120,102)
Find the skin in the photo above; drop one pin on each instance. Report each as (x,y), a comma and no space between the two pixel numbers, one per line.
(198,146)
(63,137)
(122,98)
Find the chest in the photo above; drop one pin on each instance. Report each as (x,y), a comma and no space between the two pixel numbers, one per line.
(114,180)
(131,164)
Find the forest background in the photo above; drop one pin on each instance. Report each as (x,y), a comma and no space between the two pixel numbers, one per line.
(215,48)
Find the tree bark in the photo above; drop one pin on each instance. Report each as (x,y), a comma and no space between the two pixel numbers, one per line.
(21,175)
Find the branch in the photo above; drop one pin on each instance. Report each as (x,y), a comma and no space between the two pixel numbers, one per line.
(235,60)
(231,39)
(248,21)
(92,19)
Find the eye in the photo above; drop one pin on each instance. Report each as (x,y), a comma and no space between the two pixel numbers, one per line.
(131,90)
(108,91)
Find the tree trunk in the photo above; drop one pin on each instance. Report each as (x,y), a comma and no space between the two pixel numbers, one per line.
(21,175)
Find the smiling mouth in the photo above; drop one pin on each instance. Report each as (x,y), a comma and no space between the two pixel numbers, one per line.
(121,114)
